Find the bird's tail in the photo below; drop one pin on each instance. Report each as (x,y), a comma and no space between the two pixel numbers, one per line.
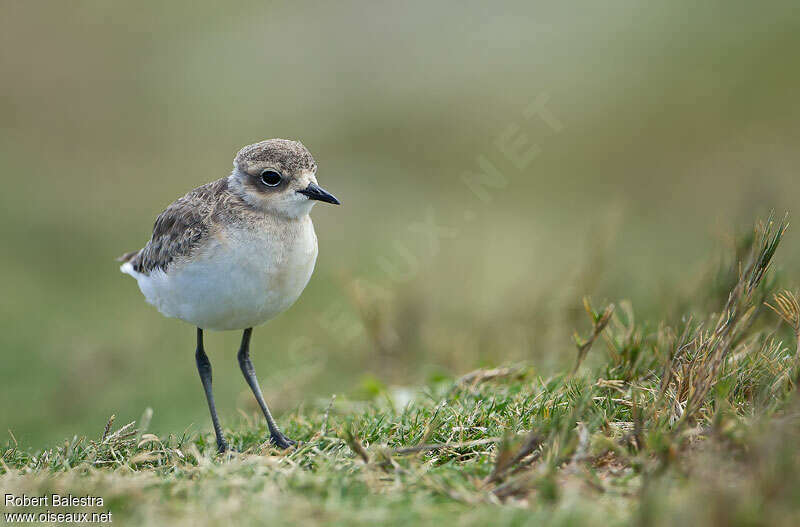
(127,257)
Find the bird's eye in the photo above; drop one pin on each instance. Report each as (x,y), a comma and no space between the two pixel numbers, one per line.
(270,178)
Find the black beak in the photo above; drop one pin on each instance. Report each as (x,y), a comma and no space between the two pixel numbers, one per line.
(318,193)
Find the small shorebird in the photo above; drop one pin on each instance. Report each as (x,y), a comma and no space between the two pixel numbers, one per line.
(235,253)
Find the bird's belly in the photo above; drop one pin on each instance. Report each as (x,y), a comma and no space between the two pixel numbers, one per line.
(239,281)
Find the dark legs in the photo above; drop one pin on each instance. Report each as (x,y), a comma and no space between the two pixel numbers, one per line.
(204,369)
(249,372)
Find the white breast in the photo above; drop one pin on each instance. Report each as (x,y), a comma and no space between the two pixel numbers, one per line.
(240,278)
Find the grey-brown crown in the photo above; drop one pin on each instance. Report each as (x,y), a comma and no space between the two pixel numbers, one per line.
(281,153)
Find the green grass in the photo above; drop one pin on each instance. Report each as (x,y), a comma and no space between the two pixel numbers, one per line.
(661,422)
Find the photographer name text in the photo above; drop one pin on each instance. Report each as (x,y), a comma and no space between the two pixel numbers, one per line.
(53,500)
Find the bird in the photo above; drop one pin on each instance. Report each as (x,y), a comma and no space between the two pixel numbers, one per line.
(234,253)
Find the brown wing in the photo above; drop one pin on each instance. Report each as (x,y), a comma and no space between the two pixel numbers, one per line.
(179,229)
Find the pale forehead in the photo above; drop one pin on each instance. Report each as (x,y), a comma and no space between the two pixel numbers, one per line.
(282,153)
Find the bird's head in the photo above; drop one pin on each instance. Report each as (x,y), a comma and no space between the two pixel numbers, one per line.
(278,176)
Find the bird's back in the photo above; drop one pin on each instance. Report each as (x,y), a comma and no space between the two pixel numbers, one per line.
(182,227)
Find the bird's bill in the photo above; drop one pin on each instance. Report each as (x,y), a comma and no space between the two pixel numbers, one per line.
(318,193)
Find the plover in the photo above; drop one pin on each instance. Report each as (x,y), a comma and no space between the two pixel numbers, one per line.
(234,253)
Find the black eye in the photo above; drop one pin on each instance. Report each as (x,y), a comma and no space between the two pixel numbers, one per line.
(270,178)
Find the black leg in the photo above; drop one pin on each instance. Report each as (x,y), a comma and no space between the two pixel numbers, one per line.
(249,372)
(204,369)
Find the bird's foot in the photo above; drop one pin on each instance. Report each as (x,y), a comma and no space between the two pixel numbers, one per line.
(281,441)
(223,447)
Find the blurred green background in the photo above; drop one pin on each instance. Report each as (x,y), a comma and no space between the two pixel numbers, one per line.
(671,127)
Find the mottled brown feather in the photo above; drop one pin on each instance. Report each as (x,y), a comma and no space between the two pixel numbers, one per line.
(285,153)
(185,223)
